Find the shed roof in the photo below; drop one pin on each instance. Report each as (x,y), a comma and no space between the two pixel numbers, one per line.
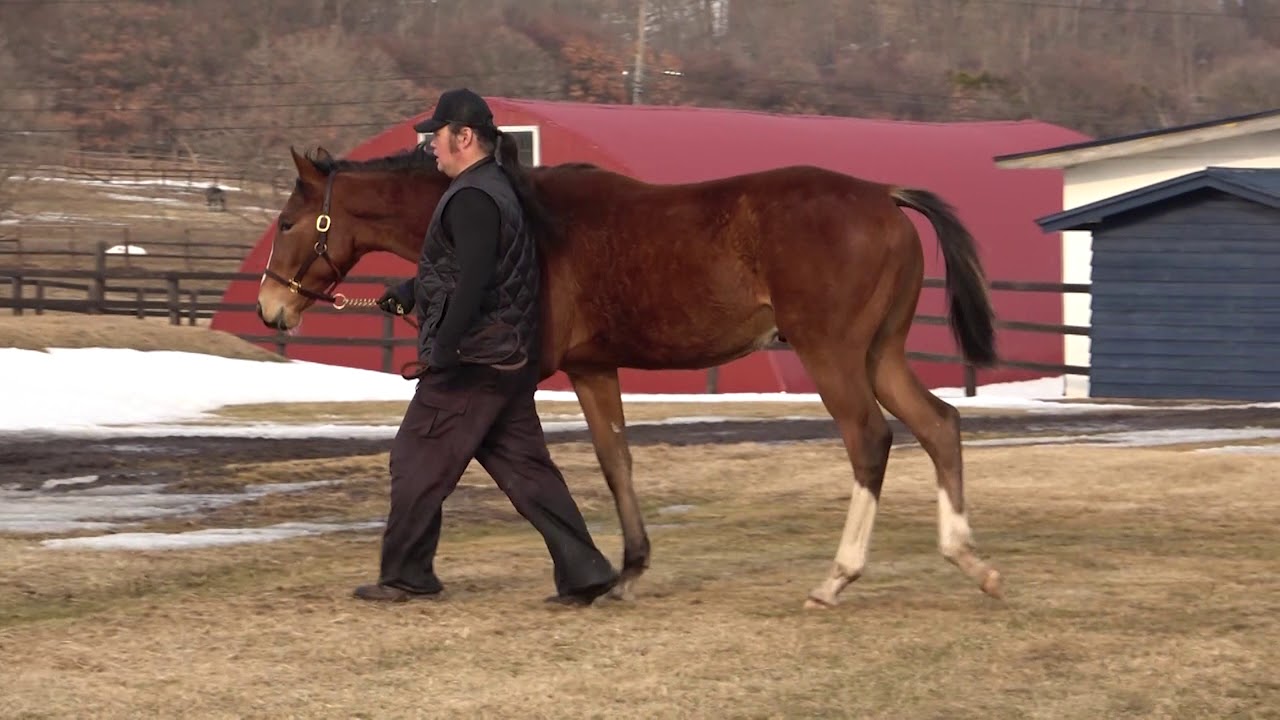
(1260,185)
(1118,146)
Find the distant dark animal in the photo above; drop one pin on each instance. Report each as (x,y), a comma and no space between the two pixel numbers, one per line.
(215,198)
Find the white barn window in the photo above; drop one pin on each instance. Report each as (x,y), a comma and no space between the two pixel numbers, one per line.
(527,137)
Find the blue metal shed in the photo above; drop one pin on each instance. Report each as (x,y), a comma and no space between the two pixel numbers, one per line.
(1185,287)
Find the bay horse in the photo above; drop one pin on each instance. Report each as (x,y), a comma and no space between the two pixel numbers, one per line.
(690,276)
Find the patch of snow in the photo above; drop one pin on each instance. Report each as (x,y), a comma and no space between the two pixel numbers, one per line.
(1133,438)
(61,482)
(52,217)
(132,392)
(1273,449)
(108,506)
(123,182)
(1176,436)
(126,250)
(217,537)
(72,389)
(146,199)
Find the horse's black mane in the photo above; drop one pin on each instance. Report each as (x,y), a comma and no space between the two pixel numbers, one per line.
(417,159)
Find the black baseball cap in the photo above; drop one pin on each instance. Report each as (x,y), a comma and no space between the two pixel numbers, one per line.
(457,106)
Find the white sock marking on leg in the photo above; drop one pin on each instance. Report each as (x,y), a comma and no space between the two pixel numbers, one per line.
(953,528)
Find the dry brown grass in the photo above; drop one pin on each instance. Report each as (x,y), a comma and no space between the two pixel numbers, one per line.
(1141,583)
(38,332)
(391,412)
(550,410)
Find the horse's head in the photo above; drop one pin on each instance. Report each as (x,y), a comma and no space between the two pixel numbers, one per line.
(338,211)
(315,244)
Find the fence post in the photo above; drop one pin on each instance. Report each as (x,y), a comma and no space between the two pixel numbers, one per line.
(970,381)
(100,279)
(39,298)
(713,380)
(175,309)
(141,311)
(194,309)
(17,295)
(388,341)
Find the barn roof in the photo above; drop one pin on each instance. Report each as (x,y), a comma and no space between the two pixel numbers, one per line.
(1260,185)
(1146,141)
(682,143)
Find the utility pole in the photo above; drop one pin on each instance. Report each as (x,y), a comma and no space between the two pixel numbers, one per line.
(637,75)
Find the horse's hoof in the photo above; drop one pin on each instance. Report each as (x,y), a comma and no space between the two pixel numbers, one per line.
(991,585)
(816,603)
(622,592)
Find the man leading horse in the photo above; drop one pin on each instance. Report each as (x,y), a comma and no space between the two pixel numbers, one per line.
(476,296)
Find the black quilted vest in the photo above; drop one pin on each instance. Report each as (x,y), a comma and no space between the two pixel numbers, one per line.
(505,330)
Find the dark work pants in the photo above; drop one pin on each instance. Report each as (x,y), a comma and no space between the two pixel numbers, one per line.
(478,412)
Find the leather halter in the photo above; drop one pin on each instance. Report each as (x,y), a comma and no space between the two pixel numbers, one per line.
(323,222)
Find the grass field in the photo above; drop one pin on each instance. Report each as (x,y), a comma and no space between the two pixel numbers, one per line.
(1140,583)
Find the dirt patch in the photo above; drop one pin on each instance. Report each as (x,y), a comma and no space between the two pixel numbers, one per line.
(1141,583)
(38,332)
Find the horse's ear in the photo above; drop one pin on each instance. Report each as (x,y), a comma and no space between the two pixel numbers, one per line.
(307,170)
(323,155)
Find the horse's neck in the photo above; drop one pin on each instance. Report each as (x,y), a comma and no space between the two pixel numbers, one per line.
(409,202)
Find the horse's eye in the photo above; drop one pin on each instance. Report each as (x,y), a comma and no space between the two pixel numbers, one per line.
(284,226)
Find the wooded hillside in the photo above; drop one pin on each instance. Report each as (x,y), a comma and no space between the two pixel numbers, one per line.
(239,80)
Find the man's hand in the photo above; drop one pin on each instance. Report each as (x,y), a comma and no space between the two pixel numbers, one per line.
(397,300)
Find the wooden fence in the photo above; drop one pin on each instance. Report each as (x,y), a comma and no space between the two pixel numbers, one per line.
(106,246)
(149,293)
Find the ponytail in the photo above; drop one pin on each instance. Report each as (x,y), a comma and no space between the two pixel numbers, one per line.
(506,153)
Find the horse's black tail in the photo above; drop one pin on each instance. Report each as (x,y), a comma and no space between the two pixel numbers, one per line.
(970,314)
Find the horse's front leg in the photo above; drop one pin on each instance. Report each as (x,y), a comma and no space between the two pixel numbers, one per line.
(600,395)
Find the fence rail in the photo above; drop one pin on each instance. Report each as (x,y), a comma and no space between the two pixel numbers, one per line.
(102,245)
(162,167)
(143,293)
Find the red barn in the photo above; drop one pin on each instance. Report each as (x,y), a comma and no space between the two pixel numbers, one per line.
(683,144)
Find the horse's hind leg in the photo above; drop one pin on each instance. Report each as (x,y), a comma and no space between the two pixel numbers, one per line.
(842,381)
(936,424)
(600,395)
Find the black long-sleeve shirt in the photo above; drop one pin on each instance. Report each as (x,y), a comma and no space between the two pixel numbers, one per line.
(472,222)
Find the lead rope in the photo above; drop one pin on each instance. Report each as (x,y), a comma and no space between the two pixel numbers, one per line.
(342,302)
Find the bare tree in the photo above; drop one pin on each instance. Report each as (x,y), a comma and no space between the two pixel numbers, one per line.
(301,90)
